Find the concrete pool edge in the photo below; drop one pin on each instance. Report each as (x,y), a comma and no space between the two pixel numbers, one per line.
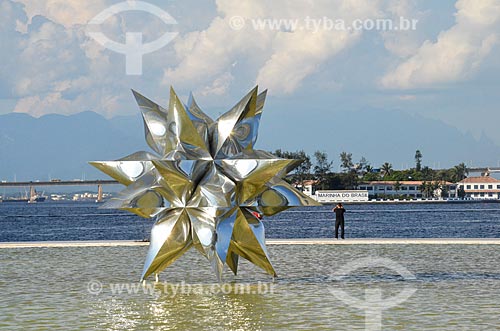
(312,241)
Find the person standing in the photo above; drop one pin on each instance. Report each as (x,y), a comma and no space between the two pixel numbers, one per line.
(339,220)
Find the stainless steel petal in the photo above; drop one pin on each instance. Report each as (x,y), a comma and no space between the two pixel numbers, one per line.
(156,124)
(214,190)
(181,176)
(170,238)
(125,172)
(222,129)
(245,243)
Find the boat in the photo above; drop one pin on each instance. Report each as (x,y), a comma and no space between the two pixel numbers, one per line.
(25,199)
(36,198)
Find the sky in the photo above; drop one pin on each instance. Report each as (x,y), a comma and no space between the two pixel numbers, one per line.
(446,67)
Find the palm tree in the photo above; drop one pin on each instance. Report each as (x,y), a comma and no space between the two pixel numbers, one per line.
(397,186)
(429,188)
(424,189)
(418,160)
(386,169)
(346,161)
(322,168)
(460,171)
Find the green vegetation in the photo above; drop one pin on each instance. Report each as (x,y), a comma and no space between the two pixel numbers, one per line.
(321,169)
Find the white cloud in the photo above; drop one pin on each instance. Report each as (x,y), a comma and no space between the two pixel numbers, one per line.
(55,102)
(219,85)
(298,55)
(281,59)
(50,53)
(404,43)
(38,106)
(458,51)
(65,12)
(52,66)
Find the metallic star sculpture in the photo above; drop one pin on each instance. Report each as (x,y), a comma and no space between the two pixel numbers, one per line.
(205,184)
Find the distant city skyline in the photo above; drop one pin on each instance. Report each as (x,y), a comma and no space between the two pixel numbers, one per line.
(319,78)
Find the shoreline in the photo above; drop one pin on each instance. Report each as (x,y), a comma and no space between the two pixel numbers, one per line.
(373,201)
(394,202)
(301,241)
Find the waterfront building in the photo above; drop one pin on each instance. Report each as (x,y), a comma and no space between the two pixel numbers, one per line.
(309,186)
(406,188)
(334,196)
(480,188)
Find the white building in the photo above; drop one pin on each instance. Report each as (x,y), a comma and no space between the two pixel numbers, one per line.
(308,186)
(411,189)
(341,196)
(480,188)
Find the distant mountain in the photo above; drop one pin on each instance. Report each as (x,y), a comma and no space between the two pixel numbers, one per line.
(57,146)
(378,135)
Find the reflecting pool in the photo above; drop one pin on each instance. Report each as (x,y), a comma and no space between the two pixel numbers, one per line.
(454,287)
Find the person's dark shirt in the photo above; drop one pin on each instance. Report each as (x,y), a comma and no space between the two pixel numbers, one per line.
(339,213)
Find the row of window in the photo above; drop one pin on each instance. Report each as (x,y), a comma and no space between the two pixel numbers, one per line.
(482,194)
(390,188)
(481,187)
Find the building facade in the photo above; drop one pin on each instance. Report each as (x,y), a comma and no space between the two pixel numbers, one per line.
(334,196)
(480,188)
(309,186)
(410,189)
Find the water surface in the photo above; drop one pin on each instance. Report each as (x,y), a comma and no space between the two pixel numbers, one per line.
(457,288)
(84,221)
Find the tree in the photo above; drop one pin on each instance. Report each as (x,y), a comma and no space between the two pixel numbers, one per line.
(362,166)
(346,161)
(349,180)
(445,192)
(386,169)
(461,192)
(418,160)
(322,168)
(460,172)
(304,169)
(428,188)
(427,173)
(397,186)
(424,189)
(280,153)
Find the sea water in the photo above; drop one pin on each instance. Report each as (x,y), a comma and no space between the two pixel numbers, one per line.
(85,221)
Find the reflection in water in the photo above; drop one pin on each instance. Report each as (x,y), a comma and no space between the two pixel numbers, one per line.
(49,289)
(233,311)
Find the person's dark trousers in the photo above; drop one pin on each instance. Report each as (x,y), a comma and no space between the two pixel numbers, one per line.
(341,224)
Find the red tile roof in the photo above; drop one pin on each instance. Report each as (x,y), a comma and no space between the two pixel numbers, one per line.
(308,182)
(483,179)
(402,182)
